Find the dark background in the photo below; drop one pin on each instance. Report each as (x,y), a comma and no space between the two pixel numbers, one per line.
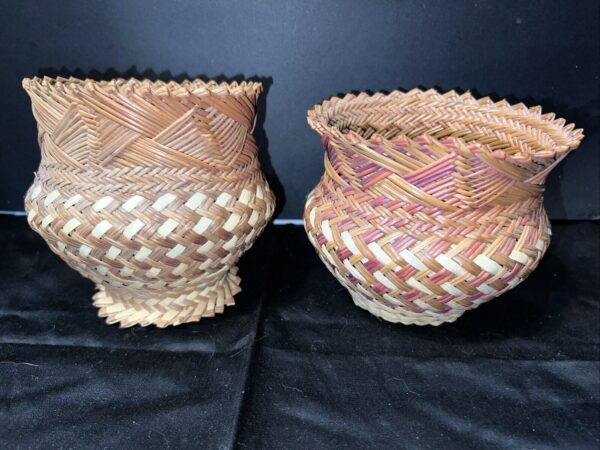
(539,52)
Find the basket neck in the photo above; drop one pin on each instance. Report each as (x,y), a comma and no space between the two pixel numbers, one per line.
(441,174)
(113,125)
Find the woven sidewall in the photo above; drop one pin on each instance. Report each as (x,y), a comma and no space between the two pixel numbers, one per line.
(432,204)
(152,190)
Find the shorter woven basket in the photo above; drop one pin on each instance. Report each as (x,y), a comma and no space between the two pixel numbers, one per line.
(152,190)
(432,204)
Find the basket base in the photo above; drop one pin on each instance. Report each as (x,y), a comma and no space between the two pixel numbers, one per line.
(171,309)
(403,316)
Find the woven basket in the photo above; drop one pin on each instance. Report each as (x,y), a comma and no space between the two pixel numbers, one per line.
(152,190)
(430,203)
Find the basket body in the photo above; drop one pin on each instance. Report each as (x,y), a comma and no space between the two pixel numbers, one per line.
(152,190)
(431,204)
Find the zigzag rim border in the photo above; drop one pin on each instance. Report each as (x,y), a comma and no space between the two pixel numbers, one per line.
(318,119)
(196,86)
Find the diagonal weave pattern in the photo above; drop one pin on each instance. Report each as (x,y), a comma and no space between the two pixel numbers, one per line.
(430,203)
(152,190)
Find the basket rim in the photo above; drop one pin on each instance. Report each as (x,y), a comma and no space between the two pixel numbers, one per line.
(318,120)
(195,86)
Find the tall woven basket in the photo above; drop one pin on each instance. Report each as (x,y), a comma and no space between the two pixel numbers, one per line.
(432,204)
(152,190)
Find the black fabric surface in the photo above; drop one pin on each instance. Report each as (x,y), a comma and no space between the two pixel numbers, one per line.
(296,365)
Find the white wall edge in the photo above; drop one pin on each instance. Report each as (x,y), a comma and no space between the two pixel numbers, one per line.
(288,222)
(12,213)
(276,221)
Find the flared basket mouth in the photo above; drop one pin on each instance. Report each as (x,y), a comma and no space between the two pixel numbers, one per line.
(514,132)
(195,87)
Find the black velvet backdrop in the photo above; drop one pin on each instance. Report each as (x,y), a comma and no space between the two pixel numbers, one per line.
(539,52)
